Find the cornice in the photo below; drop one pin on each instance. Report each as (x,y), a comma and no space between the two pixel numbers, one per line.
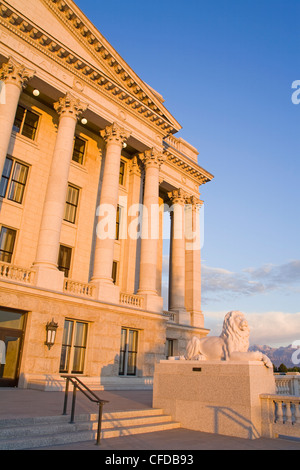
(130,96)
(194,171)
(95,43)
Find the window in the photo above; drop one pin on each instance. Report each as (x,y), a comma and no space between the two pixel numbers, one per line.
(7,243)
(71,204)
(169,348)
(114,272)
(79,150)
(122,173)
(128,352)
(13,181)
(118,219)
(73,347)
(26,122)
(64,259)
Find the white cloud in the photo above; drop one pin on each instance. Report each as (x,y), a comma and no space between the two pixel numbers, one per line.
(219,284)
(270,328)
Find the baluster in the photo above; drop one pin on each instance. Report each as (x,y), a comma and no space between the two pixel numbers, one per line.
(297,414)
(289,413)
(279,411)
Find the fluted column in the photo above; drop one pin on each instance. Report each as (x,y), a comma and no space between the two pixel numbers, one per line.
(114,136)
(69,109)
(193,262)
(177,257)
(15,76)
(152,160)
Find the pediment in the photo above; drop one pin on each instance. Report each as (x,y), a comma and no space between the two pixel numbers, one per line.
(63,30)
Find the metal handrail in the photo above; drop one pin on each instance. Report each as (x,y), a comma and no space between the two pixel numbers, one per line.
(78,384)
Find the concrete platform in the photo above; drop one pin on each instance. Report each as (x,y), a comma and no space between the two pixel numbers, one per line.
(16,403)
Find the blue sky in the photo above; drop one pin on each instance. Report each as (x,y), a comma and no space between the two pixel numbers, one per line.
(225,69)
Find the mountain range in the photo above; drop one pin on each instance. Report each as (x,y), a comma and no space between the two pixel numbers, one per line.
(281,355)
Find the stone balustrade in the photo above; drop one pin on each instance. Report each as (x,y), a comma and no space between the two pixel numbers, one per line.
(288,384)
(171,315)
(79,288)
(280,415)
(9,272)
(131,300)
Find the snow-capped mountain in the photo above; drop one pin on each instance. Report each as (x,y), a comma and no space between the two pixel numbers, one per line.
(281,355)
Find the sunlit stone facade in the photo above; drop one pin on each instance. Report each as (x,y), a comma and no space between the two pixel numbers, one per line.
(80,133)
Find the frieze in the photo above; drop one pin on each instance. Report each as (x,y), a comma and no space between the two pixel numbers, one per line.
(129,95)
(28,53)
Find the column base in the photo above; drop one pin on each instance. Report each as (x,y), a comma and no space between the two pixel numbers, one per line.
(49,278)
(107,291)
(197,319)
(152,302)
(182,317)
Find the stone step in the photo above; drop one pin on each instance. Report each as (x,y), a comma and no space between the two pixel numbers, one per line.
(11,422)
(62,425)
(30,433)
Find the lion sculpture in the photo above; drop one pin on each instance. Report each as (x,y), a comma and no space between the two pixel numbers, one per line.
(232,345)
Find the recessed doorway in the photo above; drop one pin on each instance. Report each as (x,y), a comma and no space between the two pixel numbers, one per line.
(12,328)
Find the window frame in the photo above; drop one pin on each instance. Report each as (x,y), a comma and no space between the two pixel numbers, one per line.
(14,244)
(19,130)
(66,270)
(122,175)
(170,347)
(115,272)
(84,152)
(68,350)
(68,204)
(118,222)
(125,353)
(10,181)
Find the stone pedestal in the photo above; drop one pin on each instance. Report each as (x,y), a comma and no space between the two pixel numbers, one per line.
(215,397)
(182,317)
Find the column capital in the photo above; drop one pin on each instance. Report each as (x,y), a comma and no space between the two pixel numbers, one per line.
(134,166)
(70,106)
(15,73)
(178,196)
(115,134)
(194,201)
(152,158)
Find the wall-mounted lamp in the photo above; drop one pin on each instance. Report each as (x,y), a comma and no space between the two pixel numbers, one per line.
(51,328)
(84,121)
(36,92)
(124,145)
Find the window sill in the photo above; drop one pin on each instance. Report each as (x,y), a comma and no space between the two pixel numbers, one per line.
(15,135)
(3,200)
(69,224)
(78,166)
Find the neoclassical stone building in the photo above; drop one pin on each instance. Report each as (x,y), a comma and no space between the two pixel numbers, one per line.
(84,145)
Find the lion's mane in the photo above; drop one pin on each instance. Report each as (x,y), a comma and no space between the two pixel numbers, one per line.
(235,333)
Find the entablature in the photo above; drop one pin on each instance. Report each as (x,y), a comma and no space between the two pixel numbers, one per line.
(117,83)
(176,158)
